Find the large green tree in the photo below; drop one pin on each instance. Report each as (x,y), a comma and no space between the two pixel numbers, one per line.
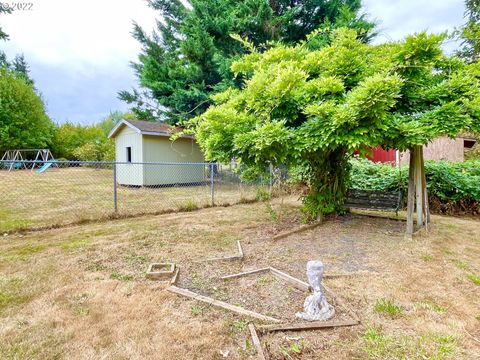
(190,55)
(470,32)
(312,109)
(23,120)
(3,10)
(87,142)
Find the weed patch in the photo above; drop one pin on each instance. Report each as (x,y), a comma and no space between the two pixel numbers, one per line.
(378,345)
(388,307)
(474,279)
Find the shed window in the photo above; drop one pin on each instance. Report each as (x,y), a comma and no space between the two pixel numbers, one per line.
(129,154)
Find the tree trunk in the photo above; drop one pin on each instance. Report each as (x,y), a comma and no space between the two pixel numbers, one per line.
(411,194)
(418,185)
(426,206)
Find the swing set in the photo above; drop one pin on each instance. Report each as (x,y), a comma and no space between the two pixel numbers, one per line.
(27,159)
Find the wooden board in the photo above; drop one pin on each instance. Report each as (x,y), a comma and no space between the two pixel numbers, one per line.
(228,258)
(174,279)
(295,231)
(246,273)
(311,325)
(240,249)
(218,303)
(299,284)
(256,342)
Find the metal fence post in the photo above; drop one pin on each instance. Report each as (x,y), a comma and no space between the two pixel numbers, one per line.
(212,188)
(115,186)
(270,182)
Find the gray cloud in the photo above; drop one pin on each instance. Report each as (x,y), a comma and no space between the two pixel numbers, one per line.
(79,51)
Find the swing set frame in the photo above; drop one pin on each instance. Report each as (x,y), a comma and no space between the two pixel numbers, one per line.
(27,159)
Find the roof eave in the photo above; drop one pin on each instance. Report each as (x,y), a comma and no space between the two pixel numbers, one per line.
(117,127)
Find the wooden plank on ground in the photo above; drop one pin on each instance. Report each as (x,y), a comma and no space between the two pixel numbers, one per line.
(246,273)
(311,325)
(299,284)
(218,303)
(174,279)
(240,249)
(295,231)
(256,342)
(228,258)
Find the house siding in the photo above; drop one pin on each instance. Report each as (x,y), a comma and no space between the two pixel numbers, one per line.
(129,174)
(182,150)
(442,148)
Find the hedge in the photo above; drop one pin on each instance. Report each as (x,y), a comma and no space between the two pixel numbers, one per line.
(452,187)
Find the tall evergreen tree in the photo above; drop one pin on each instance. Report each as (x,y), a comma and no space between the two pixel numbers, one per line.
(4,10)
(470,32)
(189,56)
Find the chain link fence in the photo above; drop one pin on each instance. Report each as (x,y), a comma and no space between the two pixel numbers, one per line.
(42,194)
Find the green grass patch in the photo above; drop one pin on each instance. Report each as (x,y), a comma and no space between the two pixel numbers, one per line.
(462,265)
(23,252)
(115,275)
(430,305)
(12,292)
(387,307)
(427,258)
(474,279)
(379,345)
(190,205)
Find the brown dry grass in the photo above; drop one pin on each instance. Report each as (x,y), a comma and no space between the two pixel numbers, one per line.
(72,195)
(80,292)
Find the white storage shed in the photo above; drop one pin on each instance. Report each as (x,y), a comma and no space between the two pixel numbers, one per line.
(138,143)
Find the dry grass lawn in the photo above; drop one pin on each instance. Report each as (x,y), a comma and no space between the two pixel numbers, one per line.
(72,195)
(80,292)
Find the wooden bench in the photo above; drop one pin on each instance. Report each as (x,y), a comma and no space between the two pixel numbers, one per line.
(374,200)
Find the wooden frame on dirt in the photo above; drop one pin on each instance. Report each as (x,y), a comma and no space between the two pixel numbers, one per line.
(240,255)
(190,294)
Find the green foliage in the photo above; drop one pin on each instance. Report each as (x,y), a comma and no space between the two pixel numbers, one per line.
(379,345)
(295,348)
(311,109)
(470,32)
(239,326)
(387,307)
(453,185)
(474,279)
(271,211)
(78,142)
(261,194)
(4,10)
(23,121)
(190,205)
(189,57)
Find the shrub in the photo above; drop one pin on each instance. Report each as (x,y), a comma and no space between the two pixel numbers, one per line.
(452,187)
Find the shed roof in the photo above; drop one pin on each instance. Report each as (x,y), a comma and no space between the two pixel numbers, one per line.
(146,128)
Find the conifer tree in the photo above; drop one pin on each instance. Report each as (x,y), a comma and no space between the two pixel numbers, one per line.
(189,56)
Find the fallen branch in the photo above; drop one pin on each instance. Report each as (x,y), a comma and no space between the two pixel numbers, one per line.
(218,303)
(296,231)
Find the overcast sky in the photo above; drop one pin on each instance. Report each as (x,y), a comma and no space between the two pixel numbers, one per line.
(79,51)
